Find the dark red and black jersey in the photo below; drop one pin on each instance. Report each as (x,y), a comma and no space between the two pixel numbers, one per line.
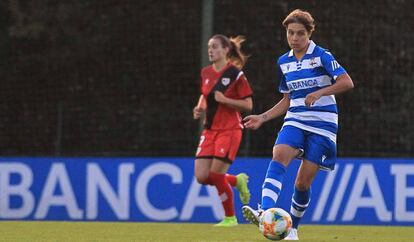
(233,84)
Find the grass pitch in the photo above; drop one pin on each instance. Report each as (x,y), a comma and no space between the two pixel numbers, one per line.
(34,231)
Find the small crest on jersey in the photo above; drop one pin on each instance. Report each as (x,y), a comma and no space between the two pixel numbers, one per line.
(312,62)
(288,67)
(206,81)
(225,81)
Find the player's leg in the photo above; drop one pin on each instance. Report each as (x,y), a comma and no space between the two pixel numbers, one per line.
(226,146)
(287,147)
(302,190)
(301,195)
(204,157)
(320,153)
(218,172)
(272,185)
(288,144)
(239,181)
(202,171)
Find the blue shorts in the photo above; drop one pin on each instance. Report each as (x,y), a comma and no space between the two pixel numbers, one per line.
(317,148)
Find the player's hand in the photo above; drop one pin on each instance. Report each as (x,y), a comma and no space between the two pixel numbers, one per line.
(253,121)
(219,97)
(311,98)
(197,112)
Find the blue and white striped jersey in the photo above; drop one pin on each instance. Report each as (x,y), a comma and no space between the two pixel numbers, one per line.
(317,69)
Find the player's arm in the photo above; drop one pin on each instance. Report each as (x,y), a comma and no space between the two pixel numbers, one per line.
(343,83)
(200,107)
(242,105)
(280,108)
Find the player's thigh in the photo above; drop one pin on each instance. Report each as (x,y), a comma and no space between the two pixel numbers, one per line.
(306,173)
(220,166)
(289,141)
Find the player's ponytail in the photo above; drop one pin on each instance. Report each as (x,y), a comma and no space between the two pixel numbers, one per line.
(236,56)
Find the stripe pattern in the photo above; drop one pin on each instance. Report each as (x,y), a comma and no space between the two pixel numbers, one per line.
(317,69)
(298,210)
(271,188)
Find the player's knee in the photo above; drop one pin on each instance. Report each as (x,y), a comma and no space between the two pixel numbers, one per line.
(202,179)
(281,158)
(302,184)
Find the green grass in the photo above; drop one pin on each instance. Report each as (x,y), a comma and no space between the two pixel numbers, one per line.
(29,231)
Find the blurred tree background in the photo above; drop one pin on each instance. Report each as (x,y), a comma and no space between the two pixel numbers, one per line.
(120,78)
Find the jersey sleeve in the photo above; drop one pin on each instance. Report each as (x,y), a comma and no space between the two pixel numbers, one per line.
(243,87)
(203,89)
(331,65)
(283,88)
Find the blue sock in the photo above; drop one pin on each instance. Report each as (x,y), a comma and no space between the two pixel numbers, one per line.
(272,185)
(300,201)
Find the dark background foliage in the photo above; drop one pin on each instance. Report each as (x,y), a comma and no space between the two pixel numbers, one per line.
(109,78)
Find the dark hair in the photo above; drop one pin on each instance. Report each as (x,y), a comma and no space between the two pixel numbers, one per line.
(236,56)
(301,17)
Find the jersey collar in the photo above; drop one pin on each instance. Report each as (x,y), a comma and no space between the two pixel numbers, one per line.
(310,49)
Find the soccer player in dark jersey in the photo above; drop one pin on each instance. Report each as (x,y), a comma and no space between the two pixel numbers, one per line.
(309,77)
(225,92)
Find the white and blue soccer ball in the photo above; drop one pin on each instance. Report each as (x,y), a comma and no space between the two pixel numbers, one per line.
(275,223)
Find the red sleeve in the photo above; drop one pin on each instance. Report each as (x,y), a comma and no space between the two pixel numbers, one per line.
(243,87)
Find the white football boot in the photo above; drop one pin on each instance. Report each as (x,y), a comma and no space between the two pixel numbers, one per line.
(293,235)
(251,214)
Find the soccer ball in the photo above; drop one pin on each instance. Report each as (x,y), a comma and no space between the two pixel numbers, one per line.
(275,223)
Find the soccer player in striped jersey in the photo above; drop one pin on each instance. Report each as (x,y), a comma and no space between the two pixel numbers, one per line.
(309,78)
(225,92)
